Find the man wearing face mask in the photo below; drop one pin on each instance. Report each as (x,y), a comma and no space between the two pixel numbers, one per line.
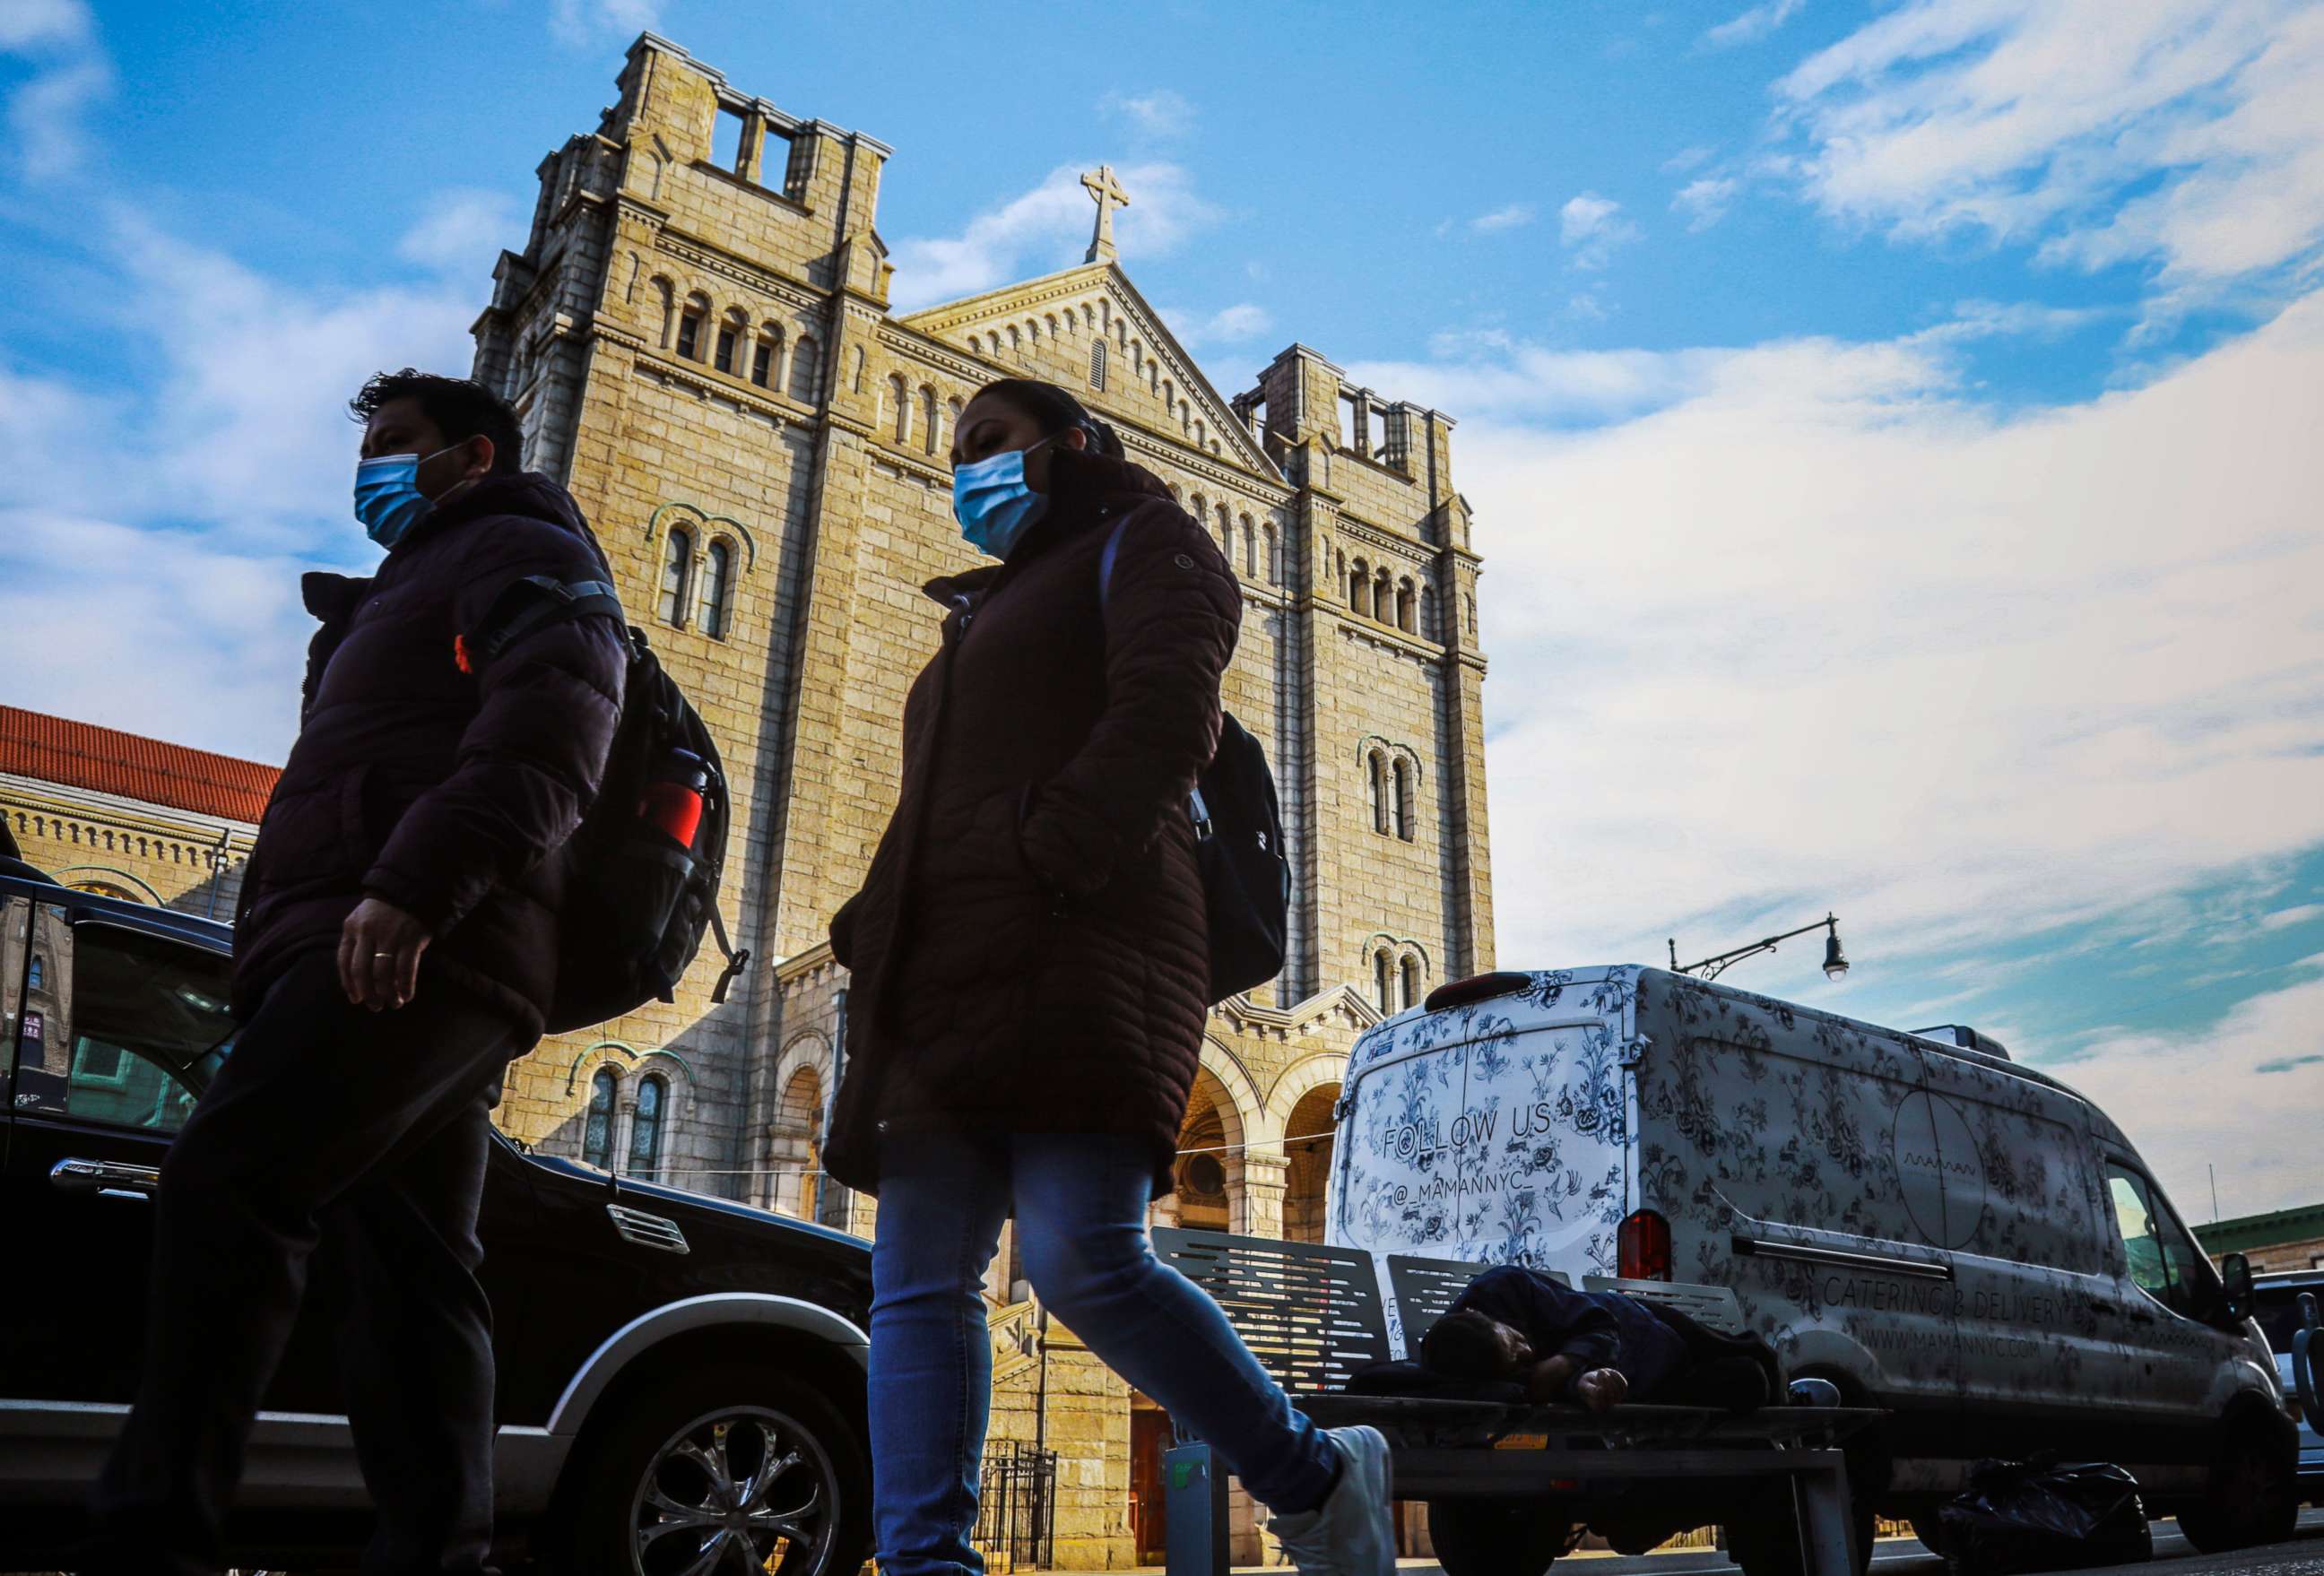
(396,945)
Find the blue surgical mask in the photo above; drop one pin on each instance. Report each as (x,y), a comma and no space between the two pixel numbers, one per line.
(993,503)
(388,499)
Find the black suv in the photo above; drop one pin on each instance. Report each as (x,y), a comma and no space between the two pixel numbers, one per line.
(679,1377)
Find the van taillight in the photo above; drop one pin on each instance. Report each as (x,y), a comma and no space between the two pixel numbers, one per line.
(1476,988)
(1645,1245)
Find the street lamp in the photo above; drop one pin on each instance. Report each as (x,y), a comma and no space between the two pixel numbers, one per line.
(1835,962)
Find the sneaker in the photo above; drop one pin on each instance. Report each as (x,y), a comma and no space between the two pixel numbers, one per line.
(1353,1532)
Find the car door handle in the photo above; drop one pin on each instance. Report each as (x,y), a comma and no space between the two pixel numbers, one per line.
(106,1178)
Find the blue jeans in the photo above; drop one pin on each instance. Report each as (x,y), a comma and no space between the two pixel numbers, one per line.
(1080,1206)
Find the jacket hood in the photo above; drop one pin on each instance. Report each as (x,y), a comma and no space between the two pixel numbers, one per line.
(1084,488)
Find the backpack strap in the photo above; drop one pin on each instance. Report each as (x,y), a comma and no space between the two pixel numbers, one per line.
(1105,565)
(532,603)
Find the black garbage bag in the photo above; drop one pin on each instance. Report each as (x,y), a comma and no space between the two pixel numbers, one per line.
(2043,1515)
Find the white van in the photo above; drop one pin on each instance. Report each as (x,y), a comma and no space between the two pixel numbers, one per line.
(1943,1232)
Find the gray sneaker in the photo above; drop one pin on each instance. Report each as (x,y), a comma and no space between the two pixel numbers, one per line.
(1353,1532)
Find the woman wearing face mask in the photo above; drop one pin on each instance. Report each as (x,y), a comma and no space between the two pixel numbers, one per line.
(1030,979)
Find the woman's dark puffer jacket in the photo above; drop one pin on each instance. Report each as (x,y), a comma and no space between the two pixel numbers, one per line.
(1028,948)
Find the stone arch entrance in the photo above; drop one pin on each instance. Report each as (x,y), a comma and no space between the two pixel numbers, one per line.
(1308,1141)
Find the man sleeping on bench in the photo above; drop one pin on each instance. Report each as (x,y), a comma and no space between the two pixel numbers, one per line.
(1516,1326)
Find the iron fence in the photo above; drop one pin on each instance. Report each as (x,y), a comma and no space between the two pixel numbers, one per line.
(1016,1520)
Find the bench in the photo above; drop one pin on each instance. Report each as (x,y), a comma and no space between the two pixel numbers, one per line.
(1313,1315)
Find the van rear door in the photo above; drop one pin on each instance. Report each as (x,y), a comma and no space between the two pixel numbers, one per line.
(1499,1135)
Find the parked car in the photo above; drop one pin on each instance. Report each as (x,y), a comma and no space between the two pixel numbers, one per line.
(1941,1231)
(662,1354)
(2276,1299)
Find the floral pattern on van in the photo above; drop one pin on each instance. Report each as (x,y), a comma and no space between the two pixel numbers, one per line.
(1475,1135)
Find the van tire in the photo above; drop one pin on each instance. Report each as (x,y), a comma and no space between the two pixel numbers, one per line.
(1496,1537)
(2253,1496)
(1931,1530)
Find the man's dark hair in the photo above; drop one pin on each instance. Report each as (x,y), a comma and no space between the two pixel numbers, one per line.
(1463,1345)
(1053,410)
(460,407)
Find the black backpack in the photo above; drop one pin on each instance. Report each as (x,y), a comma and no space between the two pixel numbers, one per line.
(1239,844)
(637,898)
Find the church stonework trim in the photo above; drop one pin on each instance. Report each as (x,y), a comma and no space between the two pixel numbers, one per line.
(703,348)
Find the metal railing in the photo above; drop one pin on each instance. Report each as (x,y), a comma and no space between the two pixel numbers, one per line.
(1016,1520)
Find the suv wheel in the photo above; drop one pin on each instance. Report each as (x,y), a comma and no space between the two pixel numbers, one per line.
(2253,1496)
(719,1471)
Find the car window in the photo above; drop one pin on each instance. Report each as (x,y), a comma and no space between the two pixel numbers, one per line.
(147,1018)
(2135,1220)
(2277,1309)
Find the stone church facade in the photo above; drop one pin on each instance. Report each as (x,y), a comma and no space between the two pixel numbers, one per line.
(697,338)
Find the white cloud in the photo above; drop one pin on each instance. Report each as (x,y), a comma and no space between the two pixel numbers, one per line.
(1704,202)
(1685,159)
(69,74)
(1749,26)
(1800,625)
(462,230)
(2188,134)
(1230,325)
(2285,918)
(1515,216)
(2166,1090)
(1161,114)
(27,25)
(583,23)
(1045,230)
(1591,226)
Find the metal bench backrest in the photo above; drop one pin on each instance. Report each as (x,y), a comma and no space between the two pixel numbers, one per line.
(1712,1307)
(1425,1288)
(1310,1314)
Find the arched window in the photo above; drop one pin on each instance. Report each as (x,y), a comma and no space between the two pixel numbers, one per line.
(1468,611)
(804,370)
(1427,616)
(952,417)
(597,1128)
(1405,604)
(1273,554)
(1377,785)
(931,429)
(1384,979)
(1097,365)
(37,980)
(666,295)
(677,568)
(767,356)
(689,326)
(645,1126)
(899,408)
(1359,589)
(1384,597)
(732,332)
(1226,534)
(718,574)
(1249,548)
(1403,799)
(1411,991)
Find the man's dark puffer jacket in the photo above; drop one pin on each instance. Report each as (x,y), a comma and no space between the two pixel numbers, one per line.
(442,792)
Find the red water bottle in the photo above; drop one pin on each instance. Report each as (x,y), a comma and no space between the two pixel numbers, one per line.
(672,804)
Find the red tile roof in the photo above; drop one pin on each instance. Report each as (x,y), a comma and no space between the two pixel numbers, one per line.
(84,756)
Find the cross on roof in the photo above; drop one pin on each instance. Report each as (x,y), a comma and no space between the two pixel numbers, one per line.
(1107,194)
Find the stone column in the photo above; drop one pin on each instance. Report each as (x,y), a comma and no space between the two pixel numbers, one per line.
(1266,1178)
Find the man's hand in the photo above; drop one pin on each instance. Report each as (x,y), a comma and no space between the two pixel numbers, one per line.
(1602,1389)
(379,956)
(1546,1383)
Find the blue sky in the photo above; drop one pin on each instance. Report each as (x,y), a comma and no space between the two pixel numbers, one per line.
(1891,426)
